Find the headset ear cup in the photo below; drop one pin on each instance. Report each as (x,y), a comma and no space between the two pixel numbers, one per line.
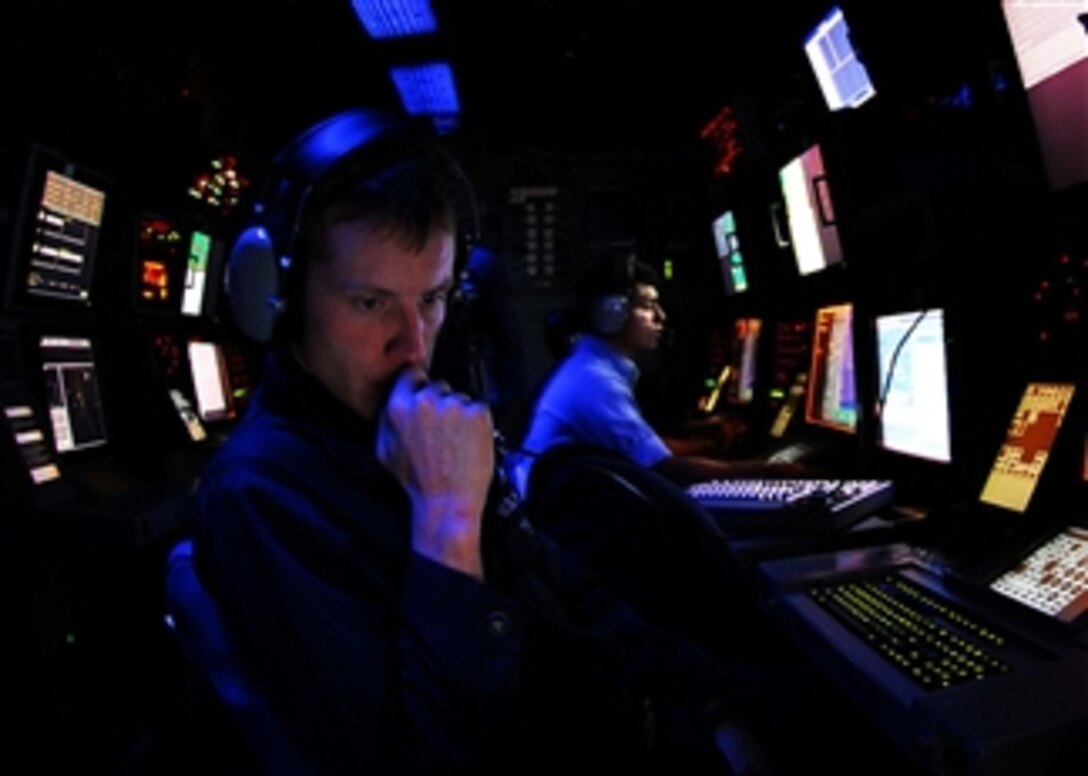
(253,284)
(610,313)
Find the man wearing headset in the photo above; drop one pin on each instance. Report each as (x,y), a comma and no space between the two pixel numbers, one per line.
(589,399)
(392,612)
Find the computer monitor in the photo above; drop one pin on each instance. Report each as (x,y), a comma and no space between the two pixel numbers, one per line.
(74,399)
(56,234)
(813,231)
(1048,41)
(1028,442)
(913,405)
(203,274)
(210,382)
(730,259)
(831,400)
(843,78)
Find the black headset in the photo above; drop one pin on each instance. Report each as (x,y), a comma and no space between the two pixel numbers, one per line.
(608,312)
(359,143)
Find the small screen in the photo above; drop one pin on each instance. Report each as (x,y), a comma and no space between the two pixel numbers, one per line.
(914,384)
(75,403)
(745,349)
(811,219)
(730,259)
(843,78)
(205,257)
(158,264)
(1053,579)
(1028,441)
(831,400)
(188,416)
(208,368)
(63,226)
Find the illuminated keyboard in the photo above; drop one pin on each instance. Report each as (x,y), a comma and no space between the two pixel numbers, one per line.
(781,504)
(925,637)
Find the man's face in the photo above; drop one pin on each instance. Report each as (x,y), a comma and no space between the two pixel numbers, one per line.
(372,307)
(646,321)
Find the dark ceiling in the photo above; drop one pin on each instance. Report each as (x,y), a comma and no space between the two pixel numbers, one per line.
(145,83)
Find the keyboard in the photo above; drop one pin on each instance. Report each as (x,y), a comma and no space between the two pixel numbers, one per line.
(925,637)
(780,504)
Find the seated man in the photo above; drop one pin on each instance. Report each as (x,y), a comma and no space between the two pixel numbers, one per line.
(606,486)
(589,399)
(380,592)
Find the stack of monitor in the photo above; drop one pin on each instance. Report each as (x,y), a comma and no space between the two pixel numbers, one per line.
(821,395)
(68,404)
(177,268)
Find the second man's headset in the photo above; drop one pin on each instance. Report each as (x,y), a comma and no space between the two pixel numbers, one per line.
(610,303)
(262,275)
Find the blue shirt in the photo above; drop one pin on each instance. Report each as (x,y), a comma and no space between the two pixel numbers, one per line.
(590,400)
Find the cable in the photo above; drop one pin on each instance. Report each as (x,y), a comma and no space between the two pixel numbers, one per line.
(883,397)
(616,477)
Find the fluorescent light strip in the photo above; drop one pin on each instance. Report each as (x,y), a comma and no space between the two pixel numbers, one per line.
(385,19)
(426,90)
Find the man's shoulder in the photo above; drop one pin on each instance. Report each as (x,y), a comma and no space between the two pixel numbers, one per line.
(580,372)
(266,441)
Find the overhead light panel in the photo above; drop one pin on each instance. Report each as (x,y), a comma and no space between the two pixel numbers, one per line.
(426,89)
(384,19)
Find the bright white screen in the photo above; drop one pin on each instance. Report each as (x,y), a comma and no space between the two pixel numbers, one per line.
(206,365)
(1051,48)
(813,233)
(914,418)
(1046,36)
